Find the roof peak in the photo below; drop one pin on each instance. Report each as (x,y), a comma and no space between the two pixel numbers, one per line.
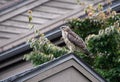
(52,64)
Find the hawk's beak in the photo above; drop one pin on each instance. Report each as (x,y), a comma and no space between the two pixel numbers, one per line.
(61,27)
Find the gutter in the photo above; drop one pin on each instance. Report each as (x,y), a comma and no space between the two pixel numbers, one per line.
(25,46)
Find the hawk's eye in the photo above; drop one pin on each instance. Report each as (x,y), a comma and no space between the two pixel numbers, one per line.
(64,29)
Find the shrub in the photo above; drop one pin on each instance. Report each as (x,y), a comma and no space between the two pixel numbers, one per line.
(103,40)
(106,47)
(84,27)
(92,25)
(43,51)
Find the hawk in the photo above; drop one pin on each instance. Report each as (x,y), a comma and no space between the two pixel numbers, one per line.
(73,41)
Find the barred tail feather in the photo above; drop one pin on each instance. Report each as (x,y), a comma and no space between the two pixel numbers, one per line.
(87,52)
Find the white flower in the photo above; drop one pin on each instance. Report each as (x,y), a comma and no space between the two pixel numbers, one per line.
(101,32)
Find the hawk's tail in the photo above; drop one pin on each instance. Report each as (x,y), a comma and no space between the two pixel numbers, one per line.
(87,52)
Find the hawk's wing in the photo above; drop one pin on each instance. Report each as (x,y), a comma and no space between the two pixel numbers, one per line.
(76,40)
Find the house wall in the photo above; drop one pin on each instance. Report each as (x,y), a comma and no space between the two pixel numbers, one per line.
(68,75)
(69,71)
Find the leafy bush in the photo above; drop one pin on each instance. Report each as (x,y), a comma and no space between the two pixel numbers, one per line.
(103,40)
(84,27)
(92,25)
(106,47)
(113,19)
(43,51)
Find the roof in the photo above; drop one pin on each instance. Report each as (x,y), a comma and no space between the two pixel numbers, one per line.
(5,4)
(85,69)
(21,48)
(47,15)
(16,45)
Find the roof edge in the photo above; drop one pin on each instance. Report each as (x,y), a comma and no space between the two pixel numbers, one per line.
(26,46)
(48,65)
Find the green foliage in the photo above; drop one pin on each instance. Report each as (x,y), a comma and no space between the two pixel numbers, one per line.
(37,57)
(103,40)
(106,47)
(92,25)
(84,27)
(43,51)
(113,19)
(85,57)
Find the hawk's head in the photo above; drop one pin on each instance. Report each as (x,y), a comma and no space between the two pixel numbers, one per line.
(65,28)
